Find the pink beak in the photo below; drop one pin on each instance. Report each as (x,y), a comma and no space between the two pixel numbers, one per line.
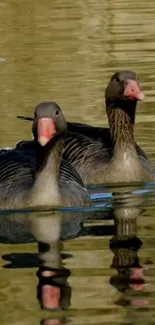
(46,130)
(132,90)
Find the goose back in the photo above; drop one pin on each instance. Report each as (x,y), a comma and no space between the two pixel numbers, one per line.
(17,172)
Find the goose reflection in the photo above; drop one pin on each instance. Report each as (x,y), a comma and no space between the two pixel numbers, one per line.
(130,277)
(54,321)
(53,288)
(53,291)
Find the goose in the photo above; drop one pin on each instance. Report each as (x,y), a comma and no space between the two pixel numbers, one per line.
(43,179)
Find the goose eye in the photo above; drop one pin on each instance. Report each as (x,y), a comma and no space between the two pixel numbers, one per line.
(117,79)
(57,112)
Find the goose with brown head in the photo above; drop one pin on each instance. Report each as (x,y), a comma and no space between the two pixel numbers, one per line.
(123,86)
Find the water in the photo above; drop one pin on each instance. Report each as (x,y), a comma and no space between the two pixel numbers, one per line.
(66,52)
(106,262)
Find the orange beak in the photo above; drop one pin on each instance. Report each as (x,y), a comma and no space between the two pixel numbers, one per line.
(132,90)
(46,130)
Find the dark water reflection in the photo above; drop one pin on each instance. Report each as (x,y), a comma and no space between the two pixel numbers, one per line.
(102,271)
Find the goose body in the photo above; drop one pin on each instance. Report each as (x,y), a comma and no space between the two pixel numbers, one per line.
(96,164)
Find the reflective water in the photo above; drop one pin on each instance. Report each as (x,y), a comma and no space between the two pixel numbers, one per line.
(101,272)
(66,51)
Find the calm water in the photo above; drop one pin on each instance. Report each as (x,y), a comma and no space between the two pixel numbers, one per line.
(66,52)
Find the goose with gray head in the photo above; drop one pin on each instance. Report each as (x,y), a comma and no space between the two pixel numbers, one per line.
(44,178)
(122,161)
(103,155)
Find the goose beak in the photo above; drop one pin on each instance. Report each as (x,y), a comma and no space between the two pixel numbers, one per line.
(132,91)
(46,130)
